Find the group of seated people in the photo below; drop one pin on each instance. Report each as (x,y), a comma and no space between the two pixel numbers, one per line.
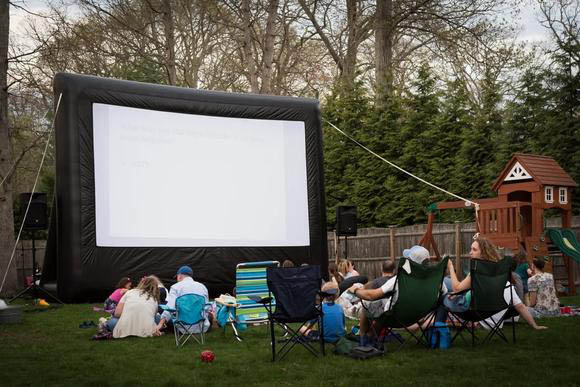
(379,295)
(137,312)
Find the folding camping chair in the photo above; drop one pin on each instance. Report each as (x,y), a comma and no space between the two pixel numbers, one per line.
(188,318)
(418,298)
(488,283)
(295,290)
(250,282)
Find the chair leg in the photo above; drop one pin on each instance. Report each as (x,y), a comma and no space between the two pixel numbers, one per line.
(273,340)
(321,330)
(513,330)
(472,334)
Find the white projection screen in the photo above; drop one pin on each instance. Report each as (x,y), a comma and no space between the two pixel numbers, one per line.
(166,179)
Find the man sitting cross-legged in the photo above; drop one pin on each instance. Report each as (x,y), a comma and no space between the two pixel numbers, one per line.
(378,301)
(185,285)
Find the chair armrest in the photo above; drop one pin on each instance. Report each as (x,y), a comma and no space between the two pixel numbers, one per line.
(459,293)
(167,308)
(260,300)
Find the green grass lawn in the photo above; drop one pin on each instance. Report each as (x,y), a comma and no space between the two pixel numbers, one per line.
(48,348)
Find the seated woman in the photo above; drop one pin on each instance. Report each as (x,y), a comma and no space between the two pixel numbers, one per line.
(333,274)
(481,248)
(543,299)
(346,269)
(135,314)
(162,293)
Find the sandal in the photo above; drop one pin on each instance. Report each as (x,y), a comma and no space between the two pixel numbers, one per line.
(87,324)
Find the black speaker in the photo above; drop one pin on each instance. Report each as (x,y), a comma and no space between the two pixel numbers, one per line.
(36,219)
(346,220)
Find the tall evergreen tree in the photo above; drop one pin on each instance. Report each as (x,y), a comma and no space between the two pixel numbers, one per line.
(421,152)
(480,155)
(347,108)
(455,119)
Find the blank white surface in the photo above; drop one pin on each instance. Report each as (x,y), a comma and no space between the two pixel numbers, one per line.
(172,179)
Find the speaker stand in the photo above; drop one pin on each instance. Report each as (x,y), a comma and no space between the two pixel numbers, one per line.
(345,247)
(35,289)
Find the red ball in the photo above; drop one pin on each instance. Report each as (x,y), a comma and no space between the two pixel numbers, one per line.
(207,356)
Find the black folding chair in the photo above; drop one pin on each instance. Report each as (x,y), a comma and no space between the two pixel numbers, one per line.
(488,282)
(295,290)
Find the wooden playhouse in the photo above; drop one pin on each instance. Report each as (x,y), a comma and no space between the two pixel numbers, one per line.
(527,186)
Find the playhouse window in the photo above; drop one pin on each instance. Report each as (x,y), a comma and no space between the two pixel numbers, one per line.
(563,193)
(549,195)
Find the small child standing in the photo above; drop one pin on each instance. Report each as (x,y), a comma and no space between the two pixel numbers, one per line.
(122,287)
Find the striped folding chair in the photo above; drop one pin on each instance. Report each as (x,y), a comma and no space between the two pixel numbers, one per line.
(251,281)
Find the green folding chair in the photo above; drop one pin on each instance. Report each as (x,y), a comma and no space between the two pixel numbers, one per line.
(488,282)
(418,298)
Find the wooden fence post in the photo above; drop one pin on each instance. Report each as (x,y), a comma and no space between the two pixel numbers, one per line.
(392,241)
(336,242)
(458,251)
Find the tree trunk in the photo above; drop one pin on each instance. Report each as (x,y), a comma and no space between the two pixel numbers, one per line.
(6,210)
(247,47)
(349,61)
(269,36)
(384,49)
(169,30)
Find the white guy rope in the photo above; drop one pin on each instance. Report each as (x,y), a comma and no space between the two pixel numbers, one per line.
(467,201)
(33,190)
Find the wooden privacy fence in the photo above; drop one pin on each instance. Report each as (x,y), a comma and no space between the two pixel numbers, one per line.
(372,246)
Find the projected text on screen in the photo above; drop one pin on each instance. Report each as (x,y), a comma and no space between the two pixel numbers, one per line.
(172,179)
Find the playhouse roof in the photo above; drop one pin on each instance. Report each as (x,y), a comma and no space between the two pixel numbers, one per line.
(543,169)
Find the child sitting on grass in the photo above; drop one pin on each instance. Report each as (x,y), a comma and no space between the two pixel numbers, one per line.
(122,287)
(333,321)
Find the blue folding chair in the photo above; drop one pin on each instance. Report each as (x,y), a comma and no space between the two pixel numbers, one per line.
(189,318)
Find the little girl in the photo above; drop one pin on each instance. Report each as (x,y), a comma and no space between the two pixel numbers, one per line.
(122,287)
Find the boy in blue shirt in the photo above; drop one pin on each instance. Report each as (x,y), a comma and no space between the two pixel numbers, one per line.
(333,320)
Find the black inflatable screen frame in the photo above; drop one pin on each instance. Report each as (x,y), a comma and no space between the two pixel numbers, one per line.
(86,272)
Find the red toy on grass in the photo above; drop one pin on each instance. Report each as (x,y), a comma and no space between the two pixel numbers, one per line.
(207,356)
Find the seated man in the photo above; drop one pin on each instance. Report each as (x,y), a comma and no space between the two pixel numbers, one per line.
(185,285)
(388,270)
(377,301)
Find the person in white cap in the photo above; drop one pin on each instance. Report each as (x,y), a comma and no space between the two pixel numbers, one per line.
(378,301)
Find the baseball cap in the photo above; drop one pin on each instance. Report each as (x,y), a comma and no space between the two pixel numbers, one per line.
(416,253)
(184,270)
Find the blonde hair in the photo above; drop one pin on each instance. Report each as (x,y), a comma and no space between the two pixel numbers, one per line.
(148,286)
(343,266)
(159,283)
(488,249)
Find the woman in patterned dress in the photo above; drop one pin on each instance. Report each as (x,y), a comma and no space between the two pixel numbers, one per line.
(543,299)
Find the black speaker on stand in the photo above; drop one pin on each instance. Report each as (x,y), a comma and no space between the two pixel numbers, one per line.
(346,221)
(34,220)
